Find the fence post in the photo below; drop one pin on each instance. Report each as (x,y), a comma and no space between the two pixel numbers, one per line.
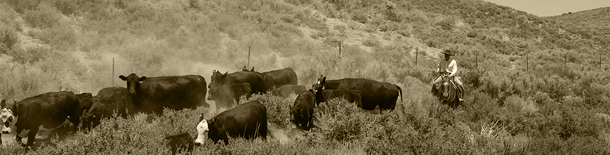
(112,78)
(527,62)
(416,55)
(340,49)
(565,61)
(248,57)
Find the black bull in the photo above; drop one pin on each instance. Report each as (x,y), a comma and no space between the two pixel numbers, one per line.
(373,93)
(174,92)
(219,79)
(278,78)
(105,103)
(48,109)
(228,95)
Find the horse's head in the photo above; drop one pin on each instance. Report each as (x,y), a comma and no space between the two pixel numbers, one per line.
(445,87)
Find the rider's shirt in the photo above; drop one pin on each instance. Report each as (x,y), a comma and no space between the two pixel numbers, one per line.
(447,66)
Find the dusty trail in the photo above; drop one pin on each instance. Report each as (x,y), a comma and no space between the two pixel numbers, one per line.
(285,136)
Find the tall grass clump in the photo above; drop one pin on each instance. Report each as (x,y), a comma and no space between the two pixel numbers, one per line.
(278,111)
(340,120)
(139,134)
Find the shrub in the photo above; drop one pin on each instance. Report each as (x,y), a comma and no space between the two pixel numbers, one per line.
(44,16)
(518,104)
(60,37)
(340,120)
(447,23)
(277,108)
(8,39)
(360,17)
(22,6)
(371,42)
(67,7)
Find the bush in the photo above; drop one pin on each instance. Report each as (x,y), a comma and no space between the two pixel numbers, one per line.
(341,121)
(60,37)
(22,6)
(371,42)
(518,104)
(67,7)
(8,39)
(44,16)
(277,108)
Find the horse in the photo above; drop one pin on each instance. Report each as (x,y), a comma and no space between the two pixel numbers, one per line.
(448,92)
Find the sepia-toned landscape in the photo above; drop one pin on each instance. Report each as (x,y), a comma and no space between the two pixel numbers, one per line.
(533,85)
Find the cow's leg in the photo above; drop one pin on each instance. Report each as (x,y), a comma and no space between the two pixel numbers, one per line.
(32,136)
(311,124)
(75,122)
(17,138)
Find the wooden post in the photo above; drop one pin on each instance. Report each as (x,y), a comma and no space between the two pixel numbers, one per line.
(339,49)
(248,57)
(112,72)
(416,53)
(565,61)
(527,62)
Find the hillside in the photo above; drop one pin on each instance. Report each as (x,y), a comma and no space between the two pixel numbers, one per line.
(534,85)
(592,24)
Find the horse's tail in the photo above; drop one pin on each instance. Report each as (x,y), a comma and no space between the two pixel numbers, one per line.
(399,90)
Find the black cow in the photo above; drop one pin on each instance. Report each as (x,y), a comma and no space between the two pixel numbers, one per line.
(173,92)
(324,95)
(107,101)
(48,109)
(286,90)
(277,78)
(248,120)
(301,113)
(373,93)
(228,95)
(85,101)
(182,140)
(253,78)
(6,118)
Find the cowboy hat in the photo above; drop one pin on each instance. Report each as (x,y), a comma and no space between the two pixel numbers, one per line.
(447,52)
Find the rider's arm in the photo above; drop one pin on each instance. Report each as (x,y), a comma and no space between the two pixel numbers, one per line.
(453,65)
(438,67)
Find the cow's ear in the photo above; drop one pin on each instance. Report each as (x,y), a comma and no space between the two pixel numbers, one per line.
(323,80)
(211,121)
(252,69)
(3,103)
(14,107)
(142,78)
(123,77)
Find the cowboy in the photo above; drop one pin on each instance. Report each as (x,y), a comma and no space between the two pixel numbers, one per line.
(448,67)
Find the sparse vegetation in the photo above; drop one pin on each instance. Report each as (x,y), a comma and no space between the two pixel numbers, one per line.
(559,105)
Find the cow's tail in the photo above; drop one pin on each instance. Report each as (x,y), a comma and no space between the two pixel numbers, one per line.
(400,90)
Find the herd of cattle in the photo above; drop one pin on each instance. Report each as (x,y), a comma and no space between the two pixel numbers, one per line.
(152,94)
